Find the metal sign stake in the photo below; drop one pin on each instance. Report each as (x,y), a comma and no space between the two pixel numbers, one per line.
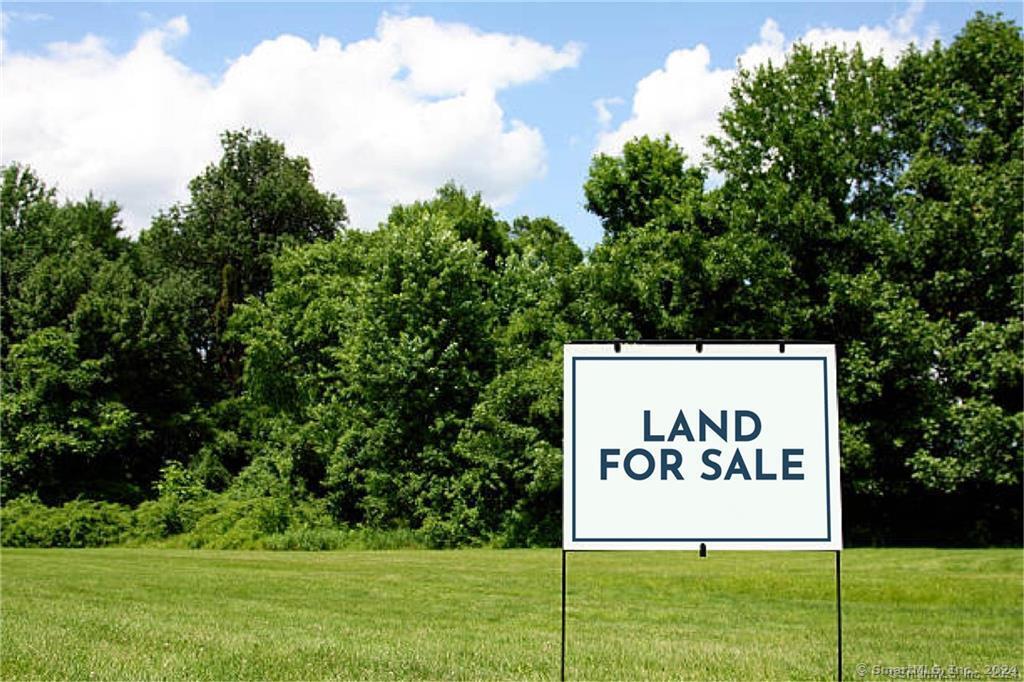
(839,618)
(563,615)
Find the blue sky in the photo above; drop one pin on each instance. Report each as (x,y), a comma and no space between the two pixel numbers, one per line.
(383,112)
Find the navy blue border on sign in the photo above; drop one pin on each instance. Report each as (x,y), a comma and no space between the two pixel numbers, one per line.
(828,501)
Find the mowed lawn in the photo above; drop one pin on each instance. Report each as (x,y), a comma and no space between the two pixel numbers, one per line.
(145,614)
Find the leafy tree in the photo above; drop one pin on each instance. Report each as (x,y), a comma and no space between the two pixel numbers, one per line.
(26,205)
(877,207)
(67,431)
(533,289)
(50,252)
(469,217)
(293,339)
(896,195)
(509,488)
(959,213)
(242,211)
(392,339)
(140,327)
(25,200)
(650,181)
(62,436)
(677,268)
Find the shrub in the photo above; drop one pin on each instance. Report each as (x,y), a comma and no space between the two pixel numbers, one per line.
(27,522)
(226,522)
(214,521)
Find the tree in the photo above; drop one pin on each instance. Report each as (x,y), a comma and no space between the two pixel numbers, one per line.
(960,212)
(411,377)
(877,207)
(50,252)
(63,435)
(509,487)
(651,181)
(469,217)
(676,267)
(895,194)
(98,364)
(242,211)
(392,338)
(26,207)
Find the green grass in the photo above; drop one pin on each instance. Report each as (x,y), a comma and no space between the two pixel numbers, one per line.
(146,614)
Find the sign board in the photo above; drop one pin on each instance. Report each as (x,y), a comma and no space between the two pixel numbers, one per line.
(735,447)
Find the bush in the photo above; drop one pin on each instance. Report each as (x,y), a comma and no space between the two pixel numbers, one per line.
(168,517)
(214,521)
(27,522)
(226,522)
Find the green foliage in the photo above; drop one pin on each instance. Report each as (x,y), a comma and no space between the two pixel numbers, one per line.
(26,522)
(243,210)
(876,207)
(62,436)
(896,194)
(188,515)
(650,182)
(112,349)
(511,485)
(269,379)
(97,359)
(468,216)
(320,539)
(372,349)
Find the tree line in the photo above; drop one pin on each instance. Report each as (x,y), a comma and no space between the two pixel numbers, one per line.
(253,371)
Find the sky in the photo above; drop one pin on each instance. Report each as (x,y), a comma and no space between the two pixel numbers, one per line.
(389,101)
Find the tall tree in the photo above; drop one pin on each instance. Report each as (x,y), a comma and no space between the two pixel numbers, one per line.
(508,488)
(376,347)
(651,181)
(468,216)
(241,212)
(69,426)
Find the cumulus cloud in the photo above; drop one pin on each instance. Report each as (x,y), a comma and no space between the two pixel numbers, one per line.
(382,120)
(685,96)
(682,99)
(887,42)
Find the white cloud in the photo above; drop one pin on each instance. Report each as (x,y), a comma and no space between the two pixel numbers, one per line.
(903,24)
(770,48)
(887,42)
(382,120)
(682,99)
(685,96)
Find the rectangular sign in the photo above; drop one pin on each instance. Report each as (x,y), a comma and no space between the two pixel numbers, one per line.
(736,447)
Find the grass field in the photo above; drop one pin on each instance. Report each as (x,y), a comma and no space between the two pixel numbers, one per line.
(146,614)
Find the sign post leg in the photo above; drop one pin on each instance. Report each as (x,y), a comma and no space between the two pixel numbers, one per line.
(563,615)
(839,617)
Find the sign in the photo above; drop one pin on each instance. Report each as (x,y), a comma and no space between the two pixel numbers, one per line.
(735,447)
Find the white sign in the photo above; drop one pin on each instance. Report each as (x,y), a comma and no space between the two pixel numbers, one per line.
(736,447)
